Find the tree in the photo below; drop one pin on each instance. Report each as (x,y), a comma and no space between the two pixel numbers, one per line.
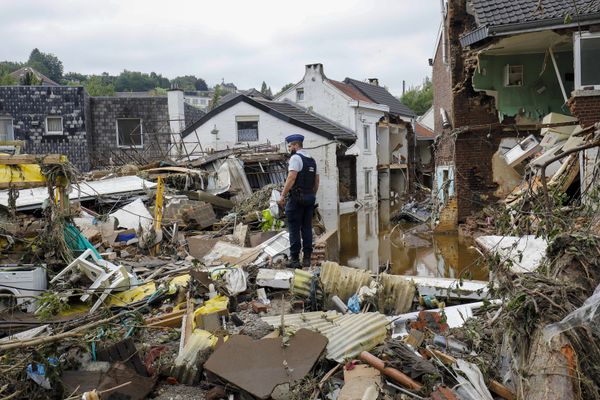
(186,82)
(29,79)
(201,85)
(214,102)
(284,88)
(135,81)
(7,80)
(74,77)
(95,86)
(6,67)
(419,99)
(46,63)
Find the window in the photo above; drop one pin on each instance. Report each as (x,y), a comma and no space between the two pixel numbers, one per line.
(54,126)
(299,94)
(6,129)
(247,128)
(367,182)
(587,53)
(513,75)
(129,132)
(367,137)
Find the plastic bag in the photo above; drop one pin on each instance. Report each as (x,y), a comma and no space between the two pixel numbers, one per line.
(273,203)
(584,315)
(354,304)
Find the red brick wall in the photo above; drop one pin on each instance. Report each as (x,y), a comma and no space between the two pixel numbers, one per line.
(586,108)
(442,89)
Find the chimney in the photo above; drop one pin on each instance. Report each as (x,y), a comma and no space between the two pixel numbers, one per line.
(374,81)
(313,71)
(176,107)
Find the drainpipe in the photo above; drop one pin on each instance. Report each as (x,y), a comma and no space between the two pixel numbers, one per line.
(443,10)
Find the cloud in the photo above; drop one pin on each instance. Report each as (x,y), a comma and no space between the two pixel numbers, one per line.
(240,41)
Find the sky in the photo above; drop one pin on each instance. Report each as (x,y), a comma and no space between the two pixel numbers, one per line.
(241,41)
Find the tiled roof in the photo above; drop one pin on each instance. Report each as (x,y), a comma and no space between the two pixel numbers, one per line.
(423,133)
(21,72)
(286,111)
(503,12)
(380,95)
(350,91)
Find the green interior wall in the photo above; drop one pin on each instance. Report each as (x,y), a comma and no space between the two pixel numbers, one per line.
(524,100)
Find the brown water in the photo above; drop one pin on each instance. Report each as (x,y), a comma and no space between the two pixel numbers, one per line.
(410,250)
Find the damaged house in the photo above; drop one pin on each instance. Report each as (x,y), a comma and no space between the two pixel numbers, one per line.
(243,121)
(511,80)
(93,132)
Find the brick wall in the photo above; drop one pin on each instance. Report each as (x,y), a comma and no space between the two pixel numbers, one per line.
(442,88)
(153,112)
(585,105)
(29,106)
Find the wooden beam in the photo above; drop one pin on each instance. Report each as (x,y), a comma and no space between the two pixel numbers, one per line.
(33,159)
(21,185)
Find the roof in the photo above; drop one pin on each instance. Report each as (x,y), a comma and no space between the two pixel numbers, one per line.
(350,91)
(250,93)
(21,72)
(423,132)
(285,111)
(380,95)
(505,16)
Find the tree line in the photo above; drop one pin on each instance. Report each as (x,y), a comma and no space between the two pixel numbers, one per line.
(96,85)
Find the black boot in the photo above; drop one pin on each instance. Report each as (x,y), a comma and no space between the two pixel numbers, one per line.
(293,263)
(306,261)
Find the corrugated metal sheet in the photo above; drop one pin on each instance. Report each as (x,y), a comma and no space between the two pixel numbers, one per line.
(33,198)
(395,295)
(302,283)
(348,334)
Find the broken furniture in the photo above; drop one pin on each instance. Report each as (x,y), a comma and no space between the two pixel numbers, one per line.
(105,276)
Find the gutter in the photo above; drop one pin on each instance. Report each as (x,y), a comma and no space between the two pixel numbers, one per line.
(484,32)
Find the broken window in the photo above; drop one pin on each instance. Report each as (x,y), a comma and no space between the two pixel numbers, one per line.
(347,178)
(299,94)
(6,129)
(54,126)
(129,132)
(513,75)
(587,54)
(247,129)
(367,137)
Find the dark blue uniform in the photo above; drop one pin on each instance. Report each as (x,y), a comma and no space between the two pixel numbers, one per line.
(299,210)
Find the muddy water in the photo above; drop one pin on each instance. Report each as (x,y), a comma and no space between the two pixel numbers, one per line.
(410,250)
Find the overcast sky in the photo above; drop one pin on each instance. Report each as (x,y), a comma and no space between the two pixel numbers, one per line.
(242,41)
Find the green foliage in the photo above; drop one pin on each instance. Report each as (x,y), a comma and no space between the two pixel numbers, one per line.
(46,63)
(158,91)
(29,79)
(419,99)
(96,86)
(51,304)
(6,67)
(7,80)
(284,88)
(135,81)
(201,84)
(74,78)
(216,97)
(186,83)
(266,90)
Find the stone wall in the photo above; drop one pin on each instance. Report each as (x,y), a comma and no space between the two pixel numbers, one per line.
(29,106)
(153,112)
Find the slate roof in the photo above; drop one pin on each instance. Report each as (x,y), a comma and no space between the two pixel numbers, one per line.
(506,16)
(286,111)
(503,12)
(21,72)
(380,95)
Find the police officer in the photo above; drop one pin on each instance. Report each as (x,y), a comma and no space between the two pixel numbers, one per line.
(301,185)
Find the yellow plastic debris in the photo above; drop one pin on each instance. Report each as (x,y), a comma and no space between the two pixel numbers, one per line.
(21,173)
(178,281)
(133,295)
(216,304)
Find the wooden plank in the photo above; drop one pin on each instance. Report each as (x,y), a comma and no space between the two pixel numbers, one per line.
(21,185)
(33,159)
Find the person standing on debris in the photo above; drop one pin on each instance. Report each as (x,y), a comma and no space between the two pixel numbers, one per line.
(301,184)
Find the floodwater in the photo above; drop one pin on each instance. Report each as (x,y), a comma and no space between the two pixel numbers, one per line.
(409,249)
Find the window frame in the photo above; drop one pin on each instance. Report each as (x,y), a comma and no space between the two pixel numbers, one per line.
(54,133)
(298,92)
(507,75)
(368,182)
(367,138)
(125,146)
(245,119)
(12,128)
(577,37)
